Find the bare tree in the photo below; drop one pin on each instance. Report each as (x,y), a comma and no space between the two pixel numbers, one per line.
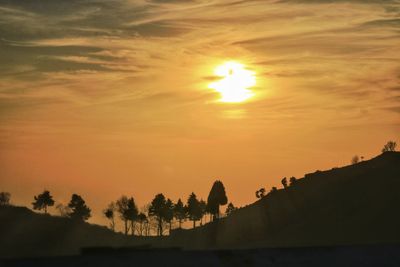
(63,210)
(389,147)
(141,226)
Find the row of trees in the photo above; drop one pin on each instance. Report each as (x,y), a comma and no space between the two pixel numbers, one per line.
(262,192)
(76,208)
(164,211)
(158,215)
(390,146)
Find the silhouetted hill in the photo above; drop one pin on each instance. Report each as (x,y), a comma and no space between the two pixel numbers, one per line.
(356,204)
(24,233)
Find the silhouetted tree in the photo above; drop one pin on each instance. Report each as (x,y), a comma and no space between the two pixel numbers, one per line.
(203,209)
(284,182)
(147,224)
(390,146)
(132,213)
(230,208)
(79,210)
(42,201)
(5,198)
(169,213)
(216,197)
(128,211)
(292,180)
(109,213)
(63,210)
(179,212)
(142,220)
(193,209)
(355,160)
(157,209)
(260,193)
(273,189)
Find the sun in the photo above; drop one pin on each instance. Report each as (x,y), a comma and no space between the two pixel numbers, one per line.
(235,81)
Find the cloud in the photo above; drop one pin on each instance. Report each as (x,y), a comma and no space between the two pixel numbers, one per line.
(341,1)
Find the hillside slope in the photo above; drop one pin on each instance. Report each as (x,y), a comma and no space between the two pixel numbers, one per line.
(24,233)
(356,204)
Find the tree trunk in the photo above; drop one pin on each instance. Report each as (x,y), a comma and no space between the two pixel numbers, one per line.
(194,224)
(126,227)
(45,209)
(160,226)
(113,224)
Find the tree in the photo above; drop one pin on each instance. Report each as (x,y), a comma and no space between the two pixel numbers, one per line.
(260,193)
(179,212)
(203,208)
(389,147)
(128,211)
(284,182)
(230,208)
(79,210)
(292,180)
(142,219)
(42,201)
(193,209)
(355,160)
(5,198)
(63,210)
(148,223)
(216,197)
(157,209)
(109,213)
(169,213)
(132,213)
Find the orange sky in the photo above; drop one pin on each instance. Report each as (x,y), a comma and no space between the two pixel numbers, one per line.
(104,98)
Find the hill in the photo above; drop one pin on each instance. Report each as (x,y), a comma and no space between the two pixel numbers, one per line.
(24,233)
(356,204)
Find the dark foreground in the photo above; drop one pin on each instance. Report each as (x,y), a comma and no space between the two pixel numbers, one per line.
(314,256)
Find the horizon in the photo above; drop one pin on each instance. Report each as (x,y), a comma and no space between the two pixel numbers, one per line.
(136,98)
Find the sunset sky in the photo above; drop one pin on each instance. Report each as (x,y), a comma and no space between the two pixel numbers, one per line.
(111,97)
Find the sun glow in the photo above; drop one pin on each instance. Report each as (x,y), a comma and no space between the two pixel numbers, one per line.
(234,83)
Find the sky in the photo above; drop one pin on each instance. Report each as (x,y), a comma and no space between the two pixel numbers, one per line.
(112,97)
